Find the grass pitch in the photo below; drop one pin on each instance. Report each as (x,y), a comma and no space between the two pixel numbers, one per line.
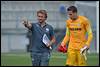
(57,59)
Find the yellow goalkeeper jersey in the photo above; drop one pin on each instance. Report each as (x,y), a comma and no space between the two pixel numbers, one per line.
(76,33)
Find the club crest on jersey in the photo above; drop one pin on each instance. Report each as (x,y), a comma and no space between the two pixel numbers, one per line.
(47,29)
(79,24)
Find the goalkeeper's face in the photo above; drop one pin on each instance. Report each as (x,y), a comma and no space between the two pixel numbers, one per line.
(41,17)
(72,15)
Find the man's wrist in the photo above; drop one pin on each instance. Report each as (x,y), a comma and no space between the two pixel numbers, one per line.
(85,48)
(50,43)
(62,44)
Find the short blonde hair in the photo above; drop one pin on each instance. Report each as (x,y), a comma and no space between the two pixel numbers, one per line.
(43,12)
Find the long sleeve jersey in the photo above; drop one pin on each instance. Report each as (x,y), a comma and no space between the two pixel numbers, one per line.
(76,33)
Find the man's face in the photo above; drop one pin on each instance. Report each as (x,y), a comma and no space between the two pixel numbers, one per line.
(72,15)
(41,17)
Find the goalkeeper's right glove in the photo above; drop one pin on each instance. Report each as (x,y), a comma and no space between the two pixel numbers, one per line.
(62,48)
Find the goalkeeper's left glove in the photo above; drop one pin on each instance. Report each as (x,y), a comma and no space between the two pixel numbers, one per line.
(83,51)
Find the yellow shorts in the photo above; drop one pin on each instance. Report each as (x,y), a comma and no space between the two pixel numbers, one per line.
(74,58)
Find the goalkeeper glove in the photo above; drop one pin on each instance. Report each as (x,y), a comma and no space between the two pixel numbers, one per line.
(83,51)
(62,48)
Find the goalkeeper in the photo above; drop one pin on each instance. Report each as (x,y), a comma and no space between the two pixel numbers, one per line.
(76,29)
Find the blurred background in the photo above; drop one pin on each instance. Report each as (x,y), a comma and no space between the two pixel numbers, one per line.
(15,37)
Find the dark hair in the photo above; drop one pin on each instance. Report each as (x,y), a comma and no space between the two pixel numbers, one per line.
(43,12)
(72,8)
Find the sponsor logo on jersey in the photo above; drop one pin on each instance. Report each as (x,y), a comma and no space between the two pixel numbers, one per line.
(75,29)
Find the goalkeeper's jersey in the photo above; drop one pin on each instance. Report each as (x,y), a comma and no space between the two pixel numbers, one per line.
(76,30)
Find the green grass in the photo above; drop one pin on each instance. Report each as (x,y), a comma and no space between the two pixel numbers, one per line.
(15,59)
(57,59)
